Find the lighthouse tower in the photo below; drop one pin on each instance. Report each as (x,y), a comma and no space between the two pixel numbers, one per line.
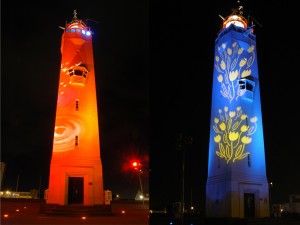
(236,184)
(76,168)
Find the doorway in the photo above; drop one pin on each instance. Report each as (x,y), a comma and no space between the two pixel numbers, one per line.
(75,190)
(249,205)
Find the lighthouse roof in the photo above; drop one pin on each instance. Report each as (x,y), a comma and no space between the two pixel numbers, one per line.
(236,17)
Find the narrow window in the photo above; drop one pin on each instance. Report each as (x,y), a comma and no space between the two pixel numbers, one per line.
(242,84)
(249,161)
(77,104)
(76,141)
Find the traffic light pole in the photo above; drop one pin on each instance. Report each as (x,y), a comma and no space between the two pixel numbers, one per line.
(182,194)
(141,186)
(137,167)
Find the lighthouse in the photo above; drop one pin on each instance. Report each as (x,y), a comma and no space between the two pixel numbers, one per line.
(76,169)
(237,186)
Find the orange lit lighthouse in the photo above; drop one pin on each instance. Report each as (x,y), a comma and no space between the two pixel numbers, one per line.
(76,168)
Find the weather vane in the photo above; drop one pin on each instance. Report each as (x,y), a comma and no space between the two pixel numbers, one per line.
(75,14)
(238,9)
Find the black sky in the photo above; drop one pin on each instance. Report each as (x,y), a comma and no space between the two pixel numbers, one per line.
(154,65)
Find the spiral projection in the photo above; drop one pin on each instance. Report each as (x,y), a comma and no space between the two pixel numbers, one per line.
(64,133)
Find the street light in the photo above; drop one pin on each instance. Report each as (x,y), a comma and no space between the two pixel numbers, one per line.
(270,198)
(182,142)
(137,167)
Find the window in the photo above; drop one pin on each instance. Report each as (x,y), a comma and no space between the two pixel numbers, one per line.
(76,141)
(78,74)
(249,161)
(77,104)
(246,88)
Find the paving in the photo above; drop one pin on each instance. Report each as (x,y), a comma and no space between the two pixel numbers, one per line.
(29,212)
(194,219)
(124,212)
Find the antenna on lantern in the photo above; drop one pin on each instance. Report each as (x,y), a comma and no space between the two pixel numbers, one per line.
(238,10)
(221,17)
(253,19)
(92,20)
(75,15)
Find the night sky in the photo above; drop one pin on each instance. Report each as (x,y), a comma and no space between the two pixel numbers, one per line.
(154,66)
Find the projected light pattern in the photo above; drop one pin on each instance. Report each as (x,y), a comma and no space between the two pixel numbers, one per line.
(236,184)
(233,133)
(232,64)
(66,130)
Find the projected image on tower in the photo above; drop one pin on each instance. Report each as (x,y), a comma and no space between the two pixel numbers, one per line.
(234,128)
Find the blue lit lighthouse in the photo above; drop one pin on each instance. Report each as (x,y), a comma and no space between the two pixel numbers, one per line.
(237,185)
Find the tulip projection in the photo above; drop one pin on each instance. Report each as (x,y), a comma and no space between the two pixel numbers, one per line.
(236,184)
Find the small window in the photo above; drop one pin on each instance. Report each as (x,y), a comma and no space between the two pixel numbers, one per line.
(249,86)
(246,88)
(78,74)
(249,161)
(76,141)
(245,84)
(77,104)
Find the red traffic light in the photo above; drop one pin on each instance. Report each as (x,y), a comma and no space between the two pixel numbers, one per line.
(135,164)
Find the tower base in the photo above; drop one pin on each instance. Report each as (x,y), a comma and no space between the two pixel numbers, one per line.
(237,196)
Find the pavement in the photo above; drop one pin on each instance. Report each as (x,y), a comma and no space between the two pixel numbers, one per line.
(24,211)
(124,212)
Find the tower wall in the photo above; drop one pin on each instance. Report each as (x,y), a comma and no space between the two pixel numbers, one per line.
(76,143)
(236,185)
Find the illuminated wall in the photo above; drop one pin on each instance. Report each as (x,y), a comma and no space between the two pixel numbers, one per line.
(76,143)
(236,185)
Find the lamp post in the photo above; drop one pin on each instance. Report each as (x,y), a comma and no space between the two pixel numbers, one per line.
(137,167)
(270,198)
(17,185)
(182,142)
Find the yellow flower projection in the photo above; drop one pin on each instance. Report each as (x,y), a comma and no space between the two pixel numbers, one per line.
(233,132)
(233,63)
